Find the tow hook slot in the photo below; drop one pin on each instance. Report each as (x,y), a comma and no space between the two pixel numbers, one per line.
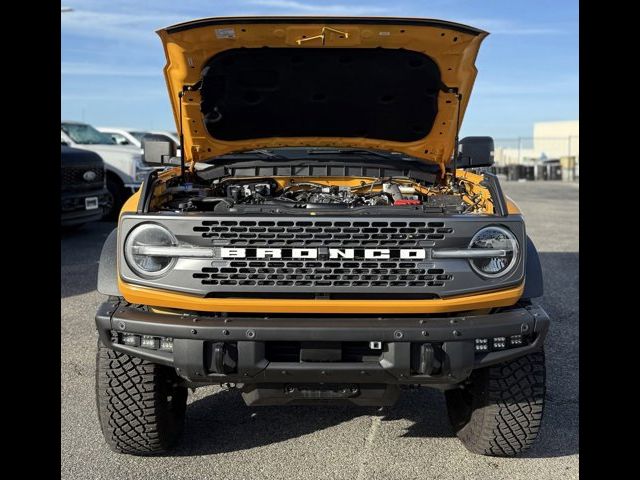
(423,359)
(222,357)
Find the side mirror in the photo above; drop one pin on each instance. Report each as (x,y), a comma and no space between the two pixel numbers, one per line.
(157,150)
(475,152)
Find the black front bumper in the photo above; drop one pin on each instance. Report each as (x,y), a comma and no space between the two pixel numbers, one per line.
(195,338)
(73,209)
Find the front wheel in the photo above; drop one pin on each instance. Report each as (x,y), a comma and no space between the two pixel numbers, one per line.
(141,405)
(499,412)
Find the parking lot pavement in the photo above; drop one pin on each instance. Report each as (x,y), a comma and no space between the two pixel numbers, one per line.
(225,439)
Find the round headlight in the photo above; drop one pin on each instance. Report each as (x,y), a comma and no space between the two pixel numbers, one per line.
(495,238)
(149,235)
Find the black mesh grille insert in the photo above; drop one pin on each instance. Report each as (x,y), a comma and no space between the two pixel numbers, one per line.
(339,234)
(74,176)
(323,274)
(320,273)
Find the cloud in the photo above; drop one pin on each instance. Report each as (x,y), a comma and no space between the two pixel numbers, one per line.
(102,70)
(295,6)
(116,26)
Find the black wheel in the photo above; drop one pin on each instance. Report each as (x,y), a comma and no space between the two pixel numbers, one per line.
(140,404)
(72,228)
(499,412)
(118,196)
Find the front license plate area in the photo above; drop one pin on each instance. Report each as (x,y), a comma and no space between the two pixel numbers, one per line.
(91,203)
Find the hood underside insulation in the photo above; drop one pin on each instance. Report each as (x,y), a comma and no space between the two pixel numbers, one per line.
(387,94)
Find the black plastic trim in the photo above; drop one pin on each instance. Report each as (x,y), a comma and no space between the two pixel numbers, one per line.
(191,332)
(305,165)
(107,268)
(146,192)
(418,22)
(533,284)
(499,202)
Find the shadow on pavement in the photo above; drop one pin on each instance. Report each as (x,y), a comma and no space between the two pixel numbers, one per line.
(223,423)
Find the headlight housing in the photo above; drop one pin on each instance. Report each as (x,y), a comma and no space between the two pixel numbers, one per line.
(149,235)
(495,238)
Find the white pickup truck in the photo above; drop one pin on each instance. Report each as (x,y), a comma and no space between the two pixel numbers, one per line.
(132,136)
(123,163)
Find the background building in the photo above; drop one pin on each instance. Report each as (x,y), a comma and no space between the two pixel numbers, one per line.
(550,141)
(553,145)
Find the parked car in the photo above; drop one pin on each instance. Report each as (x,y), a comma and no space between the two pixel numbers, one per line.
(125,169)
(83,191)
(129,136)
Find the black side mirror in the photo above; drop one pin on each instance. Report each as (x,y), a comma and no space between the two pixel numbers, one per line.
(157,150)
(475,152)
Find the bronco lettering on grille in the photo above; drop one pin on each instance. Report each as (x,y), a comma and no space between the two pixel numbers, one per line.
(349,253)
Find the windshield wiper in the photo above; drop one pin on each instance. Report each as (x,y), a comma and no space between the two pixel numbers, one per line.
(264,153)
(253,153)
(354,152)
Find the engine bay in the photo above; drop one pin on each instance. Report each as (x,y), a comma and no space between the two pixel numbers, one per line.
(452,195)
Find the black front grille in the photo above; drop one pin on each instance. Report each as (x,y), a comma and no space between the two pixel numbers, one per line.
(343,234)
(332,257)
(322,272)
(302,273)
(74,176)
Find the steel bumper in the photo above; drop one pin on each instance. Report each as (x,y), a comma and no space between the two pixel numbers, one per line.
(195,337)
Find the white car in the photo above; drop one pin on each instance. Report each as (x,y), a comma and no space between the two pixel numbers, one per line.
(123,163)
(132,136)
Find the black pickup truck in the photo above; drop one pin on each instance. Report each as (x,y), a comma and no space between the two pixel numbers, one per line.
(83,194)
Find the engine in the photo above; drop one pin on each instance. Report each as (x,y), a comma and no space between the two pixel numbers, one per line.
(234,194)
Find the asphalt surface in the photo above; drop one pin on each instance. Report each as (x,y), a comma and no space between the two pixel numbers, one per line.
(225,439)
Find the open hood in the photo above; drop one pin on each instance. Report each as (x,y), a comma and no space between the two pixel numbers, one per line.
(393,84)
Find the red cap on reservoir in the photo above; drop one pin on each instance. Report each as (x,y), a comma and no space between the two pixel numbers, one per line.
(407,202)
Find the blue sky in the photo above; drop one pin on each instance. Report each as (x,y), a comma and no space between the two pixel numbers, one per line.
(528,67)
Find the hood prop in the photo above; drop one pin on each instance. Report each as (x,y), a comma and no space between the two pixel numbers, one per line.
(456,144)
(185,88)
(182,153)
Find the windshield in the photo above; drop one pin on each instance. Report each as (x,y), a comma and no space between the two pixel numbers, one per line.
(86,135)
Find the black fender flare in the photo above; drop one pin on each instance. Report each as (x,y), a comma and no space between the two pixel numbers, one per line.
(107,268)
(533,284)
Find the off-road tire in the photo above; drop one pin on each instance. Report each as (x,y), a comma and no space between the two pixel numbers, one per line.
(140,406)
(500,411)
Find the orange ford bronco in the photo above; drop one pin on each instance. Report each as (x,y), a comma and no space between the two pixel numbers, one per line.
(323,236)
